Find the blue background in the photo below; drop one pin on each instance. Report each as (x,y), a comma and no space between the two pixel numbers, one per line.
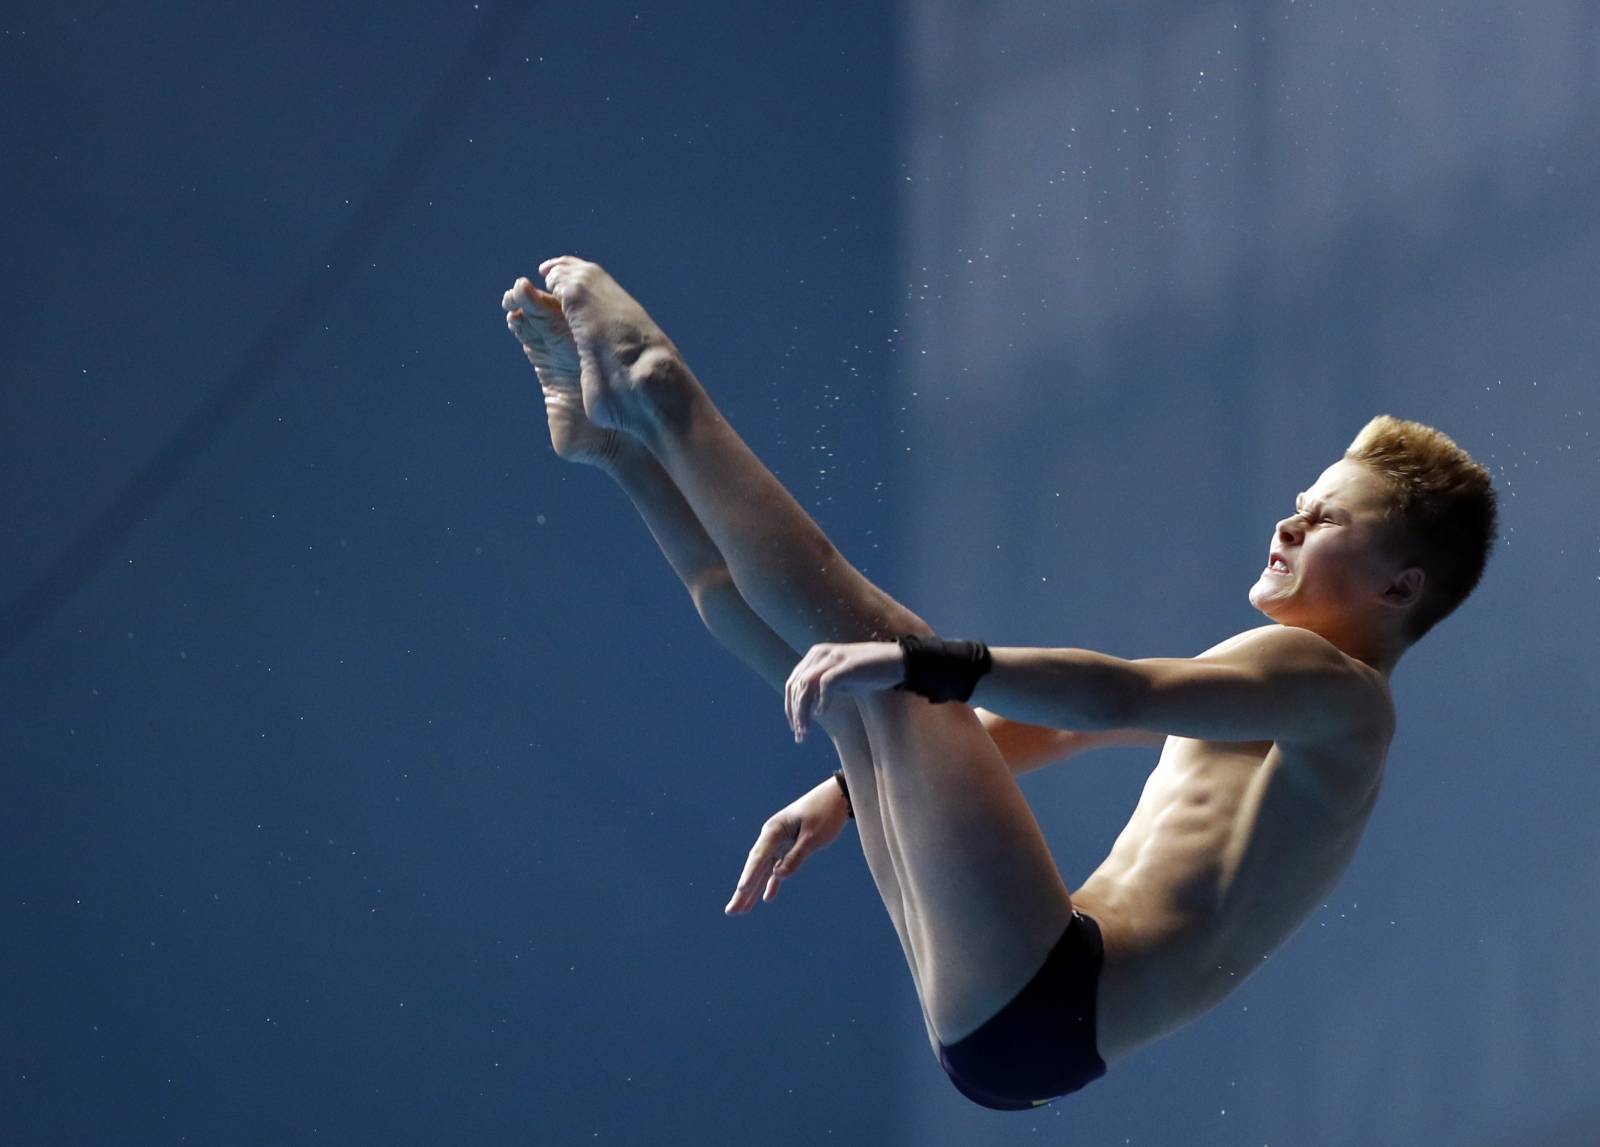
(370,779)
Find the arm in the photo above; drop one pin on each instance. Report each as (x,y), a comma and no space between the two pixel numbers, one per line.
(1277,683)
(1028,747)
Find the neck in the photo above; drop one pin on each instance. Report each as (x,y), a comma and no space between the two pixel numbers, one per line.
(1372,650)
(1379,651)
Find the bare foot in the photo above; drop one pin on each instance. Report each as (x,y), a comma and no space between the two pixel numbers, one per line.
(535,317)
(621,351)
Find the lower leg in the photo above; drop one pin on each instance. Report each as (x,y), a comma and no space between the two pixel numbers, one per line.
(782,562)
(698,561)
(737,627)
(633,378)
(537,320)
(692,555)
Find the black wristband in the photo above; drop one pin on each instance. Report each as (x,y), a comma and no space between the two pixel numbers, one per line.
(838,775)
(943,670)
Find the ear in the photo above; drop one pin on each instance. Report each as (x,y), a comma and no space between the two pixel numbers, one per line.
(1406,588)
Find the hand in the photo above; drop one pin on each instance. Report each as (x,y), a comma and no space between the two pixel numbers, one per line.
(861,667)
(789,836)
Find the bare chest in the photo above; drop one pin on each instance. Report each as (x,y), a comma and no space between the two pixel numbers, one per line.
(1230,847)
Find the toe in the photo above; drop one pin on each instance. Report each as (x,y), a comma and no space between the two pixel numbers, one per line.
(533,322)
(519,325)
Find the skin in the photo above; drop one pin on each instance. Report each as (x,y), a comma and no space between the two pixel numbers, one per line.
(1273,741)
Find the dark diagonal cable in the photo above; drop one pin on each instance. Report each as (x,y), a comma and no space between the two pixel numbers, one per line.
(176,458)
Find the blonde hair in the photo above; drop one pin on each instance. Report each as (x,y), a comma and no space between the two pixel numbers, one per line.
(1444,506)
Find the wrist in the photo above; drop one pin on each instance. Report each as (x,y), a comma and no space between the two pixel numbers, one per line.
(844,790)
(942,670)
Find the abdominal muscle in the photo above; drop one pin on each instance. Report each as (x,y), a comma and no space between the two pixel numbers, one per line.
(1230,848)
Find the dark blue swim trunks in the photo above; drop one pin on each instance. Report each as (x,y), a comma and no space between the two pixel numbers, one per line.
(1041,1045)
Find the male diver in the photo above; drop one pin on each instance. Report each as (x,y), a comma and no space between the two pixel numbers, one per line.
(1273,741)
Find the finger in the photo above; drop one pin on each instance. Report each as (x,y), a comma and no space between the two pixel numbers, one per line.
(744,897)
(808,702)
(814,695)
(802,708)
(756,866)
(774,879)
(801,681)
(738,902)
(788,700)
(756,861)
(790,862)
(827,656)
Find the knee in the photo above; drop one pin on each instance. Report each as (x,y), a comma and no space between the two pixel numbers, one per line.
(844,726)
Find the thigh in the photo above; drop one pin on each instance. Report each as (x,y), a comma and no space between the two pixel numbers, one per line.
(984,901)
(843,723)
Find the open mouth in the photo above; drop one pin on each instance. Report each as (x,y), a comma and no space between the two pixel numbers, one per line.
(1276,565)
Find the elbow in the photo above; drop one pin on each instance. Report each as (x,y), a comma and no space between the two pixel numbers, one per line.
(714,595)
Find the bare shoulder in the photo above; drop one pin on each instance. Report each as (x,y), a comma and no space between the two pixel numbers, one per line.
(1329,717)
(1286,648)
(1268,684)
(1355,689)
(1278,641)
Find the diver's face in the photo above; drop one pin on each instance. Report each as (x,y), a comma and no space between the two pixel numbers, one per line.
(1330,562)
